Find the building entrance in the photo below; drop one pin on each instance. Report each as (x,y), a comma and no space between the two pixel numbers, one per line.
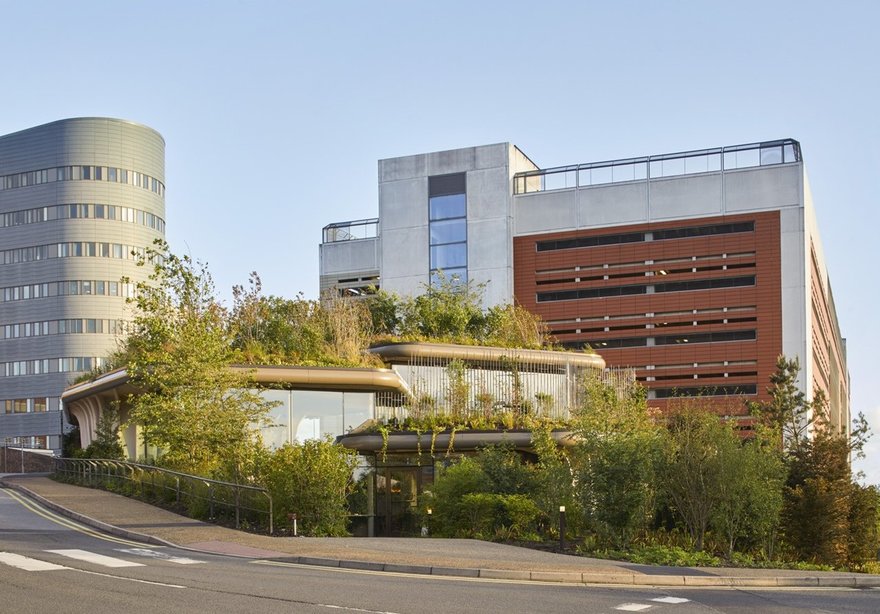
(398,489)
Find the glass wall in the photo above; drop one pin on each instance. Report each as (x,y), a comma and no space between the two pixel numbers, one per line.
(311,414)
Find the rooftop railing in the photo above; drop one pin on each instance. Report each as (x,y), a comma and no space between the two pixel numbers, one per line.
(654,167)
(352,230)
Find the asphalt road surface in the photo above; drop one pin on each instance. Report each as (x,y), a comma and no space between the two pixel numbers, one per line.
(50,563)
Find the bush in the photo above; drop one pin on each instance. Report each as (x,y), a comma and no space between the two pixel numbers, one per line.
(312,480)
(673,556)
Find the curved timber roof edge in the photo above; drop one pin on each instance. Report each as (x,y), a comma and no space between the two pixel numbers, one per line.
(306,378)
(465,440)
(403,352)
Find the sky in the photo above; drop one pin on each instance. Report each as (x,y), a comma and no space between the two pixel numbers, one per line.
(275,113)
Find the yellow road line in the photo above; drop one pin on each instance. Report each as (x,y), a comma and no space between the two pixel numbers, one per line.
(66,522)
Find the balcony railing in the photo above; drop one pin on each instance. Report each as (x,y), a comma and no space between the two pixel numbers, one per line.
(654,167)
(350,231)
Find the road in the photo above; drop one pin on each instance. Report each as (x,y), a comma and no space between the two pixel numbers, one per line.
(51,563)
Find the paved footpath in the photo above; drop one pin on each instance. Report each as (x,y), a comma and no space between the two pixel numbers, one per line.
(450,557)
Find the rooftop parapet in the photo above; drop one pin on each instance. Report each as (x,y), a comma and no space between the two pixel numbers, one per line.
(351,230)
(719,159)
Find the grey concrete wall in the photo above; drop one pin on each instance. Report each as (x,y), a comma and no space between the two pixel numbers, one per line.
(345,258)
(667,198)
(403,217)
(81,141)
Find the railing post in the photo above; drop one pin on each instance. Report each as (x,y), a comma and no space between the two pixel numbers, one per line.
(237,507)
(271,515)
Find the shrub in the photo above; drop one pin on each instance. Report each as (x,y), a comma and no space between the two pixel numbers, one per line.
(312,480)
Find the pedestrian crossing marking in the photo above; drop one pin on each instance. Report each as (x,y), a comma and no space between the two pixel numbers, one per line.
(633,607)
(97,559)
(159,555)
(27,563)
(670,600)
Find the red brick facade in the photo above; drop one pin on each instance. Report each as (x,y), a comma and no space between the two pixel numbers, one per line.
(724,340)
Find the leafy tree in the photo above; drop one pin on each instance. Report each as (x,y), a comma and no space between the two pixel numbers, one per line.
(311,479)
(823,509)
(696,449)
(863,539)
(202,415)
(449,518)
(384,310)
(554,480)
(494,493)
(445,310)
(615,458)
(789,417)
(106,443)
(749,494)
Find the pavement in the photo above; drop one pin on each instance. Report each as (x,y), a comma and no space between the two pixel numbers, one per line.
(140,521)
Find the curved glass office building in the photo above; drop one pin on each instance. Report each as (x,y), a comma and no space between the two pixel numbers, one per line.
(80,199)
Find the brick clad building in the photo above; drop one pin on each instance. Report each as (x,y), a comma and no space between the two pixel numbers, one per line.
(698,269)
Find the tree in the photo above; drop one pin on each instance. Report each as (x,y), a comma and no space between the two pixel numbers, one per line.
(106,443)
(615,457)
(789,417)
(202,415)
(445,310)
(749,494)
(696,449)
(824,511)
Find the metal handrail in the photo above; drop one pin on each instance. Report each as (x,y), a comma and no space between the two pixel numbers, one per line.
(184,488)
(645,168)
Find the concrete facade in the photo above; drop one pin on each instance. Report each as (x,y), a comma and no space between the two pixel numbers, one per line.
(77,197)
(513,207)
(399,253)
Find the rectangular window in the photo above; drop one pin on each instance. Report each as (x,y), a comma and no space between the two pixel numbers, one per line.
(447,227)
(449,231)
(448,256)
(446,207)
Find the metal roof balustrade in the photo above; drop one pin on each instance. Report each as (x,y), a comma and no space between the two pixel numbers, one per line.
(718,159)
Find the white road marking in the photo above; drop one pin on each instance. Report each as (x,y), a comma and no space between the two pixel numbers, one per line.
(670,600)
(633,607)
(158,554)
(28,564)
(97,559)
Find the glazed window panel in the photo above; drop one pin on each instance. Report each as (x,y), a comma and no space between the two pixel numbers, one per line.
(316,414)
(446,207)
(449,231)
(449,256)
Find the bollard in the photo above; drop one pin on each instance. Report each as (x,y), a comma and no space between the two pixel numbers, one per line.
(562,527)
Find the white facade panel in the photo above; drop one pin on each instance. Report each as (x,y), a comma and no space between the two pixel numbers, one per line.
(545,212)
(763,188)
(625,203)
(349,256)
(685,196)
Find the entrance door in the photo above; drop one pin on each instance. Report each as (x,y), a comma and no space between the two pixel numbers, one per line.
(397,490)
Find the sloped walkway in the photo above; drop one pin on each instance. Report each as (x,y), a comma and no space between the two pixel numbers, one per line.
(455,557)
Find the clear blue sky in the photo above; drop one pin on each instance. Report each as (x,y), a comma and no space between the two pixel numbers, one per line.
(275,113)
